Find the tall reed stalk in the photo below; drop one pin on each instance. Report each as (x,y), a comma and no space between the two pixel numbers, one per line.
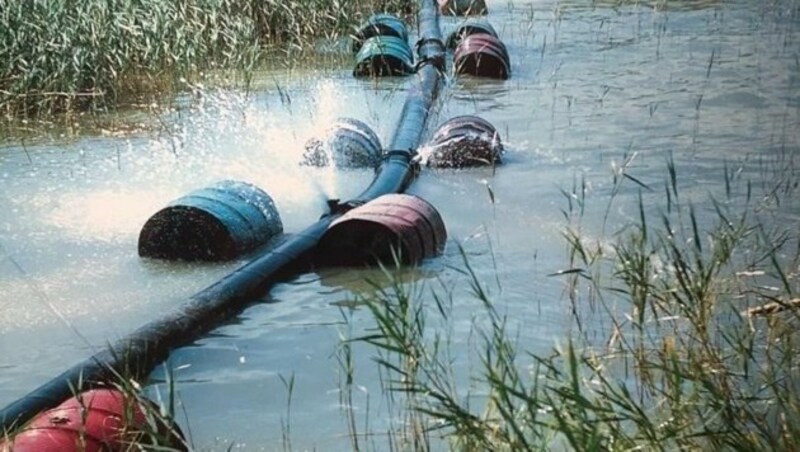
(701,309)
(64,55)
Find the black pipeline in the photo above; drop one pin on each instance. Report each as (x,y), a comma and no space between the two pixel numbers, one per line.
(136,355)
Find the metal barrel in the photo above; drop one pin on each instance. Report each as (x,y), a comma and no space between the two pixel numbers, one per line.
(379,25)
(482,55)
(94,421)
(138,352)
(384,56)
(465,141)
(470,26)
(395,226)
(215,223)
(348,143)
(463,7)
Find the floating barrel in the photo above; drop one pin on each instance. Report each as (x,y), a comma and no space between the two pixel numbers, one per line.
(396,224)
(100,420)
(482,55)
(214,223)
(471,26)
(462,7)
(384,56)
(465,141)
(348,143)
(379,25)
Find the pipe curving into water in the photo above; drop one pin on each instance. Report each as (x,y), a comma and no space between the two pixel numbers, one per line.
(137,354)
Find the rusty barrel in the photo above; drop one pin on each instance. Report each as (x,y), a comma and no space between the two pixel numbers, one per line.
(465,141)
(379,25)
(470,26)
(482,55)
(100,420)
(382,56)
(392,226)
(463,7)
(348,143)
(215,223)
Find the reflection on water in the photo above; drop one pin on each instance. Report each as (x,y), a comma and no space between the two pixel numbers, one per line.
(595,86)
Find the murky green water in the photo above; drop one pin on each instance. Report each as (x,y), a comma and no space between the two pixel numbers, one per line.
(593,87)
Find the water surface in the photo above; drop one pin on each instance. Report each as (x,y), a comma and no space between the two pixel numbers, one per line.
(595,87)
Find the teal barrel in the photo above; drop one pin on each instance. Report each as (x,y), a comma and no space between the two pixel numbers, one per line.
(382,56)
(348,143)
(465,141)
(379,25)
(215,223)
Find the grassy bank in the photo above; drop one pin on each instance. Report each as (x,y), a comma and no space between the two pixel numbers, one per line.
(699,306)
(62,55)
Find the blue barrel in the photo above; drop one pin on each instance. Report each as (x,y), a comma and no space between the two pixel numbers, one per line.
(379,25)
(348,143)
(471,26)
(382,56)
(465,141)
(215,223)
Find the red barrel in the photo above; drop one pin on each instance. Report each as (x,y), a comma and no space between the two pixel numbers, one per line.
(471,26)
(465,141)
(98,420)
(399,224)
(462,7)
(482,55)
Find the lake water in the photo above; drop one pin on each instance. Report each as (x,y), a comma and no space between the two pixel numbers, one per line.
(595,86)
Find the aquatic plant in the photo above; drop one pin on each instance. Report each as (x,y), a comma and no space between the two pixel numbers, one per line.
(700,352)
(117,416)
(63,55)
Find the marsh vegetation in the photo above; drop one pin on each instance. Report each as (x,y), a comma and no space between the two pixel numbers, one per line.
(62,55)
(699,352)
(627,280)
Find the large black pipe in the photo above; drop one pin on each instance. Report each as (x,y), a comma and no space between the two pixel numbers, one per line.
(135,355)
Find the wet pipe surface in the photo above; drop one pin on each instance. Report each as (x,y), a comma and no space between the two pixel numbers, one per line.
(139,352)
(418,230)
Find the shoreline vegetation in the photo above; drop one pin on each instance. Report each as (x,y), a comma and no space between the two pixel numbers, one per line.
(699,350)
(67,55)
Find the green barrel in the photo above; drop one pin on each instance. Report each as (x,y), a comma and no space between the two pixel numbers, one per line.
(379,25)
(215,223)
(382,56)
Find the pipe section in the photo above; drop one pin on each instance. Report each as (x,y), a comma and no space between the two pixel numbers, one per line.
(135,355)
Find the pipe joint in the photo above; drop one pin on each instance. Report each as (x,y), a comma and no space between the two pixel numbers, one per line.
(336,207)
(430,51)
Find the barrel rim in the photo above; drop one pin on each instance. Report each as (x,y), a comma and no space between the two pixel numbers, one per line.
(482,40)
(470,26)
(463,61)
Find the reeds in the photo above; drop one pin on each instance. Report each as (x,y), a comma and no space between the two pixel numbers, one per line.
(65,55)
(700,305)
(137,423)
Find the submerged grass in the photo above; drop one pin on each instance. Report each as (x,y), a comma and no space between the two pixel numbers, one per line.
(701,352)
(64,55)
